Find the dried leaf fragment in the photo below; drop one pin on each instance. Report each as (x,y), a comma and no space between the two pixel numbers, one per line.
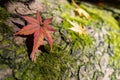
(80,11)
(77,28)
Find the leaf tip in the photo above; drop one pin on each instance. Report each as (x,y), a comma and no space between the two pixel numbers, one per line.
(32,56)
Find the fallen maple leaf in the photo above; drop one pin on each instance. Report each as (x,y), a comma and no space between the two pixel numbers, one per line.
(76,28)
(80,11)
(41,29)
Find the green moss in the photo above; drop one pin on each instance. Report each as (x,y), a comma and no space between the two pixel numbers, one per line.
(113,77)
(77,41)
(115,39)
(6,53)
(3,66)
(56,65)
(3,14)
(5,42)
(9,78)
(5,29)
(78,19)
(21,49)
(101,18)
(12,47)
(48,66)
(1,51)
(102,14)
(1,37)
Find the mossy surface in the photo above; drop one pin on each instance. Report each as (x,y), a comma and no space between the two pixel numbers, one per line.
(4,14)
(100,19)
(47,66)
(73,56)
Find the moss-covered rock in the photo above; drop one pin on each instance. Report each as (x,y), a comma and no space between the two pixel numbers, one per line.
(94,55)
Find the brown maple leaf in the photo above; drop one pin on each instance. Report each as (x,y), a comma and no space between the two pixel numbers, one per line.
(40,29)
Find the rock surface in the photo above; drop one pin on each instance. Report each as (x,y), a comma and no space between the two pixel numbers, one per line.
(74,57)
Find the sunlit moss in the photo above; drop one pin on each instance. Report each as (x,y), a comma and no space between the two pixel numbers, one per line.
(77,41)
(103,15)
(115,39)
(100,18)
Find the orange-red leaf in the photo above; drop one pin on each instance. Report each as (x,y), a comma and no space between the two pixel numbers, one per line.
(38,39)
(30,19)
(26,30)
(48,36)
(50,28)
(41,29)
(38,17)
(47,21)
